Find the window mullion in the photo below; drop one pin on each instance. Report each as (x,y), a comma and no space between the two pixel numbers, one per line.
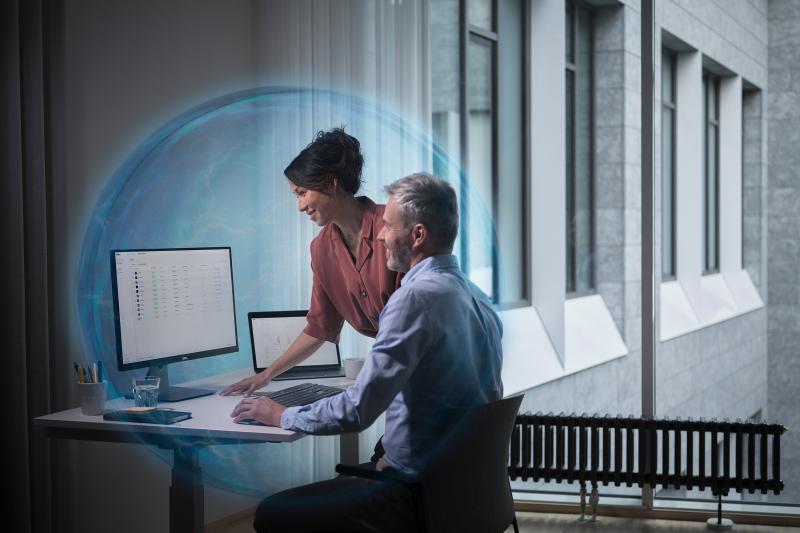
(495,185)
(464,132)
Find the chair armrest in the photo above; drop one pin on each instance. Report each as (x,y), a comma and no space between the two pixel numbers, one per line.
(369,473)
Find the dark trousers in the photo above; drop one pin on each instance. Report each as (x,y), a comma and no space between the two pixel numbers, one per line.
(342,504)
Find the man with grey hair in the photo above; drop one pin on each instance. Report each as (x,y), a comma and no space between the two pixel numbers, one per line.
(426,204)
(437,353)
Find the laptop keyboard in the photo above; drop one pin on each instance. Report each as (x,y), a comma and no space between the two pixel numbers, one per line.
(302,394)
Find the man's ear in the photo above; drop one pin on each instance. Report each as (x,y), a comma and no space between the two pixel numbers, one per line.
(419,236)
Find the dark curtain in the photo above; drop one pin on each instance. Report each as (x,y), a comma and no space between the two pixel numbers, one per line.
(24,274)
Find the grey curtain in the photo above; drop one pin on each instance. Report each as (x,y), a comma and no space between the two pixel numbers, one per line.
(24,276)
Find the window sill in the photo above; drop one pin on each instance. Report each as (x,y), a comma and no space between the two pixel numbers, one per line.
(590,335)
(689,307)
(531,359)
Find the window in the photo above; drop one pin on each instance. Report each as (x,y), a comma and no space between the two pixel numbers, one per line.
(745,127)
(579,143)
(668,111)
(751,178)
(477,78)
(478,244)
(710,173)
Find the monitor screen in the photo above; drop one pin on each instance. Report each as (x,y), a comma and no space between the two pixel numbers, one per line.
(271,335)
(172,305)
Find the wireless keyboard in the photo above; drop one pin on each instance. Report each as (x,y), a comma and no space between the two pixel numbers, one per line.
(302,394)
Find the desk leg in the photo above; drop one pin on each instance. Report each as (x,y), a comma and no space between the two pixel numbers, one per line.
(186,512)
(348,448)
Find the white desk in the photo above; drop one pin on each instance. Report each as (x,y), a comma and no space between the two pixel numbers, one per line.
(210,425)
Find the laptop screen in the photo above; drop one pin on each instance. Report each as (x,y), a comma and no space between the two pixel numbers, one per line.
(272,334)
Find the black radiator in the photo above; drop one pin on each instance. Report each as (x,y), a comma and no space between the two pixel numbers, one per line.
(742,456)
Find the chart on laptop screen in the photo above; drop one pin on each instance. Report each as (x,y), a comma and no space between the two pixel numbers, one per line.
(174,302)
(272,335)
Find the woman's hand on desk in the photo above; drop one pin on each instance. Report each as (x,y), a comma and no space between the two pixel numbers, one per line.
(262,409)
(300,350)
(248,385)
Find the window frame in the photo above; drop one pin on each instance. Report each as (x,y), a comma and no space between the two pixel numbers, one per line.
(472,33)
(571,177)
(672,105)
(710,123)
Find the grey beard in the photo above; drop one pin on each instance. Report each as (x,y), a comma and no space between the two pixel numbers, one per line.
(400,260)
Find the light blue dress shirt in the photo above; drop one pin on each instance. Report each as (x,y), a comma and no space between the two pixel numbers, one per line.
(437,352)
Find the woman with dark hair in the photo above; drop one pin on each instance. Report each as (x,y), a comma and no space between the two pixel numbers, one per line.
(351,279)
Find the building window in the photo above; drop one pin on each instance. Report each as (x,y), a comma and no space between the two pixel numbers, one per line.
(751,177)
(710,173)
(579,144)
(745,127)
(478,82)
(668,110)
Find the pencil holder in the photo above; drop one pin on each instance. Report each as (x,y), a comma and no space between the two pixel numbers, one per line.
(93,398)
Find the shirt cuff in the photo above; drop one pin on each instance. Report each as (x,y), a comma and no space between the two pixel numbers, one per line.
(318,333)
(288,417)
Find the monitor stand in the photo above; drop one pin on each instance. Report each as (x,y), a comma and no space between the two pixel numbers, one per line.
(168,393)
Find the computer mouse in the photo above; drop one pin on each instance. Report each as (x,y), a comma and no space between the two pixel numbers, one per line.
(250,421)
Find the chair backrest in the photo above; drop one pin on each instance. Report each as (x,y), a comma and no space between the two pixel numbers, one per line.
(465,485)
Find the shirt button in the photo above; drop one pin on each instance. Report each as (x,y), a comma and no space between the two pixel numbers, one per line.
(363,293)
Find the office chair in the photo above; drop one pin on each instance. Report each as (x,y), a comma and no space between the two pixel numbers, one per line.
(465,486)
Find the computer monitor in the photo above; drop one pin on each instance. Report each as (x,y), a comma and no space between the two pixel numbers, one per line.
(271,332)
(172,305)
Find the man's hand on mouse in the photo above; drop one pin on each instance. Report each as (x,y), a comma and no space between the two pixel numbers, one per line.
(259,408)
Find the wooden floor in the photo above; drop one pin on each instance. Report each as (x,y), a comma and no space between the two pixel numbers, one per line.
(562,523)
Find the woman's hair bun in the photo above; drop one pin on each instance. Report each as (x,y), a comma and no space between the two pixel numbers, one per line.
(332,154)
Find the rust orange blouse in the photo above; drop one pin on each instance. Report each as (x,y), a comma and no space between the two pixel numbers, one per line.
(344,289)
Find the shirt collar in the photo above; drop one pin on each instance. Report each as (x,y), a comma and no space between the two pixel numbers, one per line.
(433,262)
(367,220)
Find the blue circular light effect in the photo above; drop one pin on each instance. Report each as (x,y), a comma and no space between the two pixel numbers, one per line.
(212,176)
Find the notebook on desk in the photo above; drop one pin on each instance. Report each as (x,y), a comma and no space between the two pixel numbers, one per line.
(272,332)
(154,416)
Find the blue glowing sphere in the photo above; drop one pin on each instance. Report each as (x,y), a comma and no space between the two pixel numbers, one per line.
(213,176)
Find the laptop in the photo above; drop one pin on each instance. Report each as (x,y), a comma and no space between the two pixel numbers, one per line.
(271,333)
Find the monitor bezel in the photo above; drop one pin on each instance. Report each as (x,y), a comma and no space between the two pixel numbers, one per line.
(286,314)
(163,361)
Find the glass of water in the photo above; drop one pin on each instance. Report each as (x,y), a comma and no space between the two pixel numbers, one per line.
(145,391)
